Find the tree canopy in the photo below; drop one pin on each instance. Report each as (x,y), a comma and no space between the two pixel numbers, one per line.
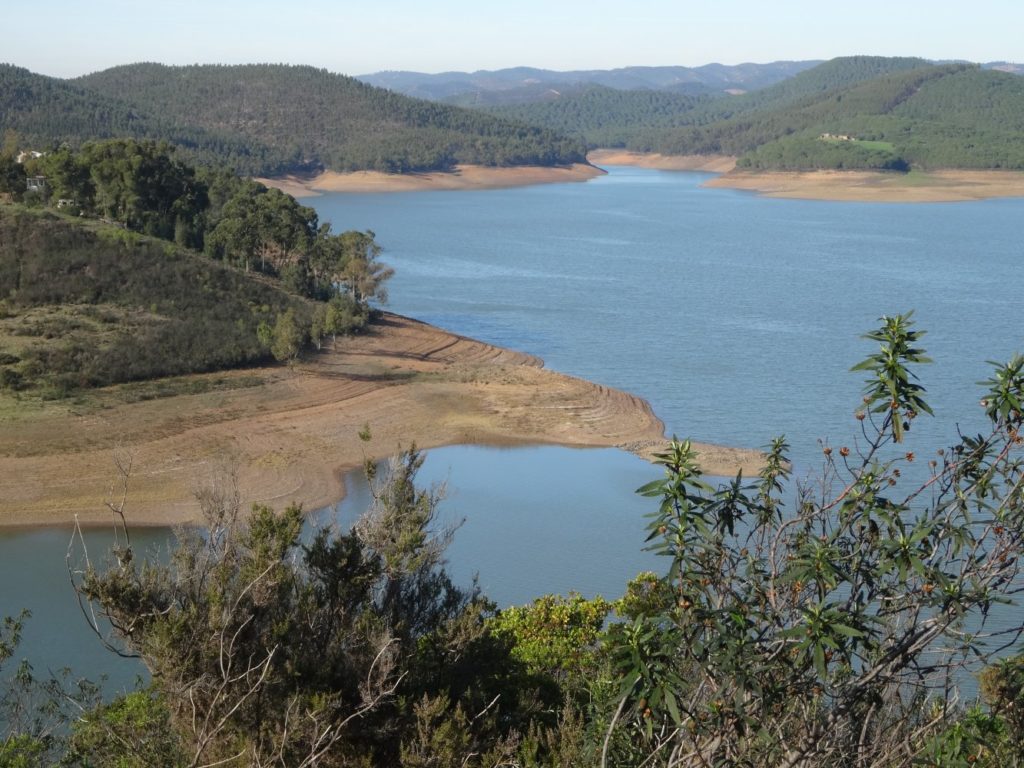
(91,304)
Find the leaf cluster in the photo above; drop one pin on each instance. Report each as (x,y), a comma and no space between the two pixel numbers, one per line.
(811,634)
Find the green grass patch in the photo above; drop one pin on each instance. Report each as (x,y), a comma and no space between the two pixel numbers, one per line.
(141,391)
(884,146)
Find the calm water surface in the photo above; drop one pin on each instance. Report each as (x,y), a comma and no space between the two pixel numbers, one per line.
(737,317)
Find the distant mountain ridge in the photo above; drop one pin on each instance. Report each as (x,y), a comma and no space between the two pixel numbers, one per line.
(517,85)
(708,78)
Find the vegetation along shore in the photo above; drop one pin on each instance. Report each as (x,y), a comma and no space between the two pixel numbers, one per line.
(188,322)
(290,432)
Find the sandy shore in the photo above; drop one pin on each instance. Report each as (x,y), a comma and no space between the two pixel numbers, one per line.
(866,186)
(709,163)
(291,438)
(464,177)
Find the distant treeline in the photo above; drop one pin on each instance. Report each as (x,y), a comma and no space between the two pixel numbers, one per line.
(269,119)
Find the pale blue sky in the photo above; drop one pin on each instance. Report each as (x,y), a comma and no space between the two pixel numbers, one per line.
(72,37)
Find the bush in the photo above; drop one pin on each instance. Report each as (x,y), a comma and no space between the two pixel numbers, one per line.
(810,634)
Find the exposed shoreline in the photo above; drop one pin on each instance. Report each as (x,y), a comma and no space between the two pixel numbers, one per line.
(706,163)
(292,437)
(464,177)
(946,186)
(877,186)
(842,186)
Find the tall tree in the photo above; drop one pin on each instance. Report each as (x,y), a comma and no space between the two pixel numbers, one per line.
(362,275)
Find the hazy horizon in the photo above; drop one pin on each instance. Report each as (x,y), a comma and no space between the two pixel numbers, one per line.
(357,38)
(492,69)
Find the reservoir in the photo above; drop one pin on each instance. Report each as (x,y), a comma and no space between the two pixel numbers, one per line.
(737,317)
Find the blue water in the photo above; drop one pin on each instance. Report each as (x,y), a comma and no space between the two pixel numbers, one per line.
(737,317)
(534,520)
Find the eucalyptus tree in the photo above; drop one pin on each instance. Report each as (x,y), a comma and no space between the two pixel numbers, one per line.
(141,185)
(362,275)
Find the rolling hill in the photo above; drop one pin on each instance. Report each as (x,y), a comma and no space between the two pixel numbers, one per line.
(270,119)
(860,112)
(319,118)
(643,119)
(948,116)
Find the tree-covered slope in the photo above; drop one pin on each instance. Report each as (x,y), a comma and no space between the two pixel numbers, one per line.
(943,117)
(89,305)
(310,117)
(675,123)
(130,264)
(833,111)
(832,75)
(936,116)
(43,111)
(605,117)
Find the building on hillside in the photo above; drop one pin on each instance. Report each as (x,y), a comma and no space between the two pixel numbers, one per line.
(29,154)
(36,184)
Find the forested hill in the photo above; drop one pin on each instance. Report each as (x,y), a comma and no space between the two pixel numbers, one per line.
(44,111)
(606,117)
(950,116)
(830,76)
(311,116)
(129,264)
(644,118)
(270,119)
(860,112)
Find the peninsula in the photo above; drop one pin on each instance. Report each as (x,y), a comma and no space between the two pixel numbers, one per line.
(289,433)
(122,344)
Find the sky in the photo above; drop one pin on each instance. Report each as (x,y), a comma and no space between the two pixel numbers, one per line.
(66,38)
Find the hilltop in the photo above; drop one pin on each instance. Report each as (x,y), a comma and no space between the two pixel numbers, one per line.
(90,305)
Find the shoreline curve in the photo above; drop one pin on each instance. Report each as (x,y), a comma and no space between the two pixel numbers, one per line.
(657,162)
(293,436)
(943,186)
(464,177)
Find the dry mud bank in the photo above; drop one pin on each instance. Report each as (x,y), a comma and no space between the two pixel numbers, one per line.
(292,437)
